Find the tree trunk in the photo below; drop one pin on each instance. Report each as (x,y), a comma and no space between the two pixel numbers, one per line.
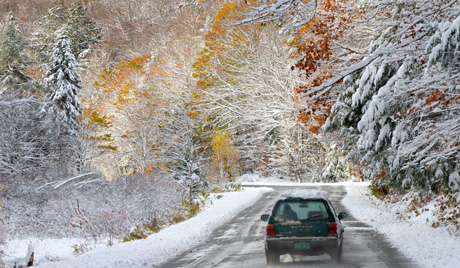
(30,262)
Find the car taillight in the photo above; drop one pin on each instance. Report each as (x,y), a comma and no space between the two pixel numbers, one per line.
(333,228)
(270,229)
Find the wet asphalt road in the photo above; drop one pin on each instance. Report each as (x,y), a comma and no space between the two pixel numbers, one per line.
(239,243)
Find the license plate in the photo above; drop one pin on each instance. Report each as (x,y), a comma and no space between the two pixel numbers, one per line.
(302,245)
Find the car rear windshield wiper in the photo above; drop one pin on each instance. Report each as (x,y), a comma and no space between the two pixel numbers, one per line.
(315,216)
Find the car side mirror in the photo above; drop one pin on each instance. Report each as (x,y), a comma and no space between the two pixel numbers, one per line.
(265,217)
(343,215)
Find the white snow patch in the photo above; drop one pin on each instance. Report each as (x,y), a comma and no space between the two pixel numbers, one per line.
(425,245)
(154,250)
(454,180)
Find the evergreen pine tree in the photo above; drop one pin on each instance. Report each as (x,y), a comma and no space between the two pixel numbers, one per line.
(82,30)
(64,80)
(399,113)
(12,56)
(188,169)
(45,39)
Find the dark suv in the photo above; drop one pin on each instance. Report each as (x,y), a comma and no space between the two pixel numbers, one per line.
(303,222)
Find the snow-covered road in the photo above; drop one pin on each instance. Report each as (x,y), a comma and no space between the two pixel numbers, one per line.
(426,246)
(239,242)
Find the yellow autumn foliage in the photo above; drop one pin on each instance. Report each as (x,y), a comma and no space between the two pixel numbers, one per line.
(224,159)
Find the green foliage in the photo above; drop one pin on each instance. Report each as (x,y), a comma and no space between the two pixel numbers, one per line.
(82,31)
(142,232)
(396,112)
(44,41)
(228,187)
(12,45)
(55,258)
(191,208)
(64,80)
(188,210)
(188,168)
(336,167)
(12,52)
(379,190)
(108,147)
(234,187)
(80,249)
(178,218)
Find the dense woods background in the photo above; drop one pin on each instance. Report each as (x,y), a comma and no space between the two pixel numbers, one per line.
(118,113)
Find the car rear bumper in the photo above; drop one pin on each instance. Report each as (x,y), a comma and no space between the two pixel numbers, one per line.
(302,245)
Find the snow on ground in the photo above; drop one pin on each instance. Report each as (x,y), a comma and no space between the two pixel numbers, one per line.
(427,246)
(157,248)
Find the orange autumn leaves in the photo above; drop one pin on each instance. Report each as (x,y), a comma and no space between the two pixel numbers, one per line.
(316,46)
(218,41)
(117,88)
(313,46)
(120,81)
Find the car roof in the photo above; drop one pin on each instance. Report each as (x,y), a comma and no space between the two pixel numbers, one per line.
(304,194)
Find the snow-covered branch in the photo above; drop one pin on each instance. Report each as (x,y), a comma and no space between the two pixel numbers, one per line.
(399,107)
(291,14)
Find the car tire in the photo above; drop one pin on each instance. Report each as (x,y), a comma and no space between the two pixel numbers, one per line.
(272,256)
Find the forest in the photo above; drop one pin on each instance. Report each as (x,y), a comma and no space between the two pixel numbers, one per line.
(122,113)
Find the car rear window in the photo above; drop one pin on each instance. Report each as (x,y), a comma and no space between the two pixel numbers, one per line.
(301,210)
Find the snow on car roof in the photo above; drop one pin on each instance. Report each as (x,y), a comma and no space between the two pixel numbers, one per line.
(304,193)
